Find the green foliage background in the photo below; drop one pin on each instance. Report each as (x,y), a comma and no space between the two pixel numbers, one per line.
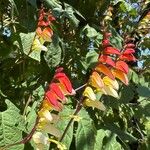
(75,46)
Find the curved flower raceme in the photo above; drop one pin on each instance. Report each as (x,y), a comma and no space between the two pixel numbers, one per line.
(44,31)
(111,66)
(54,98)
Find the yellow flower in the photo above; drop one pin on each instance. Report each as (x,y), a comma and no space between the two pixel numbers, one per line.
(95,104)
(44,113)
(37,46)
(109,82)
(110,91)
(89,93)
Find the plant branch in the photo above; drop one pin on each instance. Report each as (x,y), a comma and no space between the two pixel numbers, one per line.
(27,104)
(79,88)
(78,108)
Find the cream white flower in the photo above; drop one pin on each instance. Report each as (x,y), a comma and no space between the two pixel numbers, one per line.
(40,138)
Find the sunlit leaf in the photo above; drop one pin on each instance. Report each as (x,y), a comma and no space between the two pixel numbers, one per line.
(11,126)
(85,133)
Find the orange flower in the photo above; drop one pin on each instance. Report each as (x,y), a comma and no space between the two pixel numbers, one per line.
(105,70)
(46,34)
(121,76)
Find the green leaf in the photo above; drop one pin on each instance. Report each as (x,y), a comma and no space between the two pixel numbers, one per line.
(135,77)
(31,116)
(124,135)
(125,6)
(14,7)
(11,126)
(89,31)
(53,55)
(85,134)
(91,58)
(127,94)
(99,139)
(33,3)
(146,42)
(65,115)
(53,3)
(143,91)
(111,143)
(27,40)
(116,40)
(69,13)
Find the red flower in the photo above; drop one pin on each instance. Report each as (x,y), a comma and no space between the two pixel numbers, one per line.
(57,90)
(105,42)
(130,45)
(52,99)
(106,59)
(121,65)
(63,79)
(111,50)
(129,51)
(105,70)
(45,34)
(127,57)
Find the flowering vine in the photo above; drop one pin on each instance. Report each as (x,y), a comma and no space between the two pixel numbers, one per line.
(111,66)
(58,89)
